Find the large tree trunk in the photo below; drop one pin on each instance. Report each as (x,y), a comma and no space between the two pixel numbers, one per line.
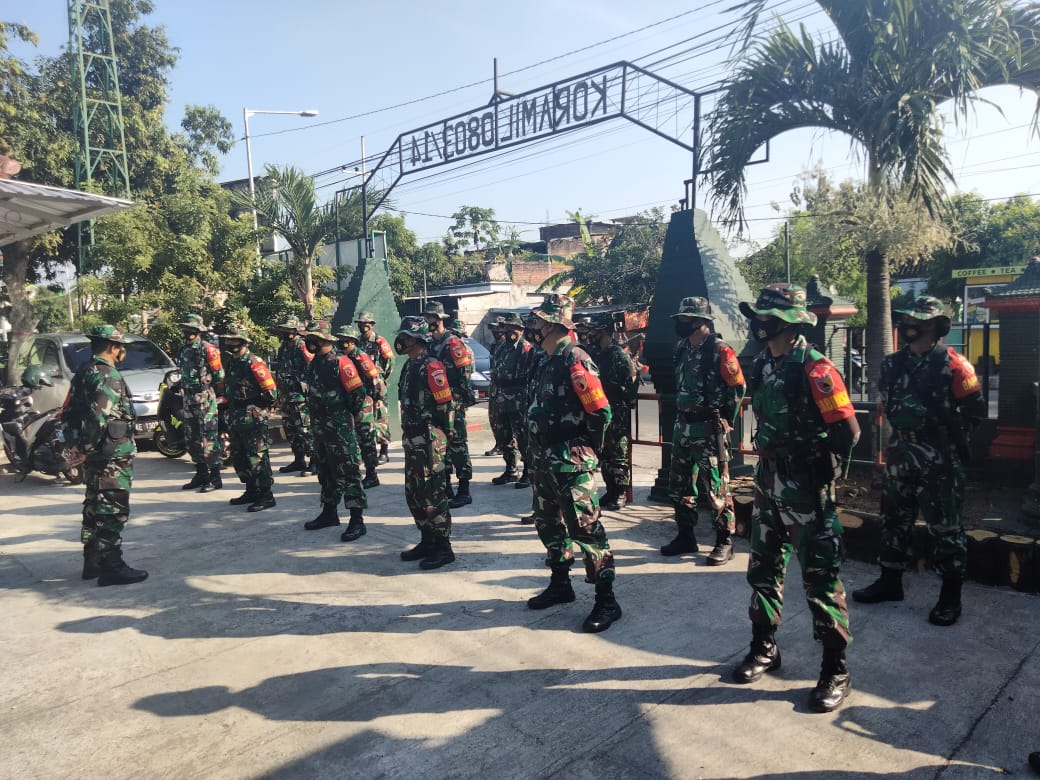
(16,268)
(879,318)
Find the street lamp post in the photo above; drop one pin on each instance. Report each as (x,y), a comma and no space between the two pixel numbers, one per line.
(246,113)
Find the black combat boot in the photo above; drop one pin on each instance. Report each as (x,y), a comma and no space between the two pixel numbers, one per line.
(384,453)
(723,550)
(524,481)
(614,499)
(263,501)
(201,477)
(329,517)
(888,587)
(355,528)
(834,683)
(299,463)
(684,542)
(420,550)
(462,496)
(215,481)
(309,469)
(91,561)
(510,475)
(1034,761)
(114,570)
(438,554)
(371,479)
(606,611)
(496,450)
(764,655)
(558,592)
(948,609)
(248,497)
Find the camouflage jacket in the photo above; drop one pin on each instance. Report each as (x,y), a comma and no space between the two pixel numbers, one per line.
(619,376)
(452,351)
(570,412)
(99,413)
(795,397)
(200,365)
(335,390)
(510,373)
(922,392)
(290,365)
(380,351)
(250,387)
(425,396)
(708,377)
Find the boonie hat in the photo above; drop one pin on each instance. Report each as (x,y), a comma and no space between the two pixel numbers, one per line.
(781,300)
(694,307)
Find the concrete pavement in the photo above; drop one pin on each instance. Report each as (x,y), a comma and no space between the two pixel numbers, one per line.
(256,648)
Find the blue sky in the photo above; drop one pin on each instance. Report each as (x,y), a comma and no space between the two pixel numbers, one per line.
(348,58)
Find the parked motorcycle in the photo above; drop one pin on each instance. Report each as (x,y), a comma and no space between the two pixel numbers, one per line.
(169,433)
(34,441)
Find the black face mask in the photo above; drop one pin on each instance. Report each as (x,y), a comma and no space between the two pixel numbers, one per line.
(401,346)
(911,332)
(683,328)
(513,335)
(365,327)
(537,336)
(312,346)
(764,330)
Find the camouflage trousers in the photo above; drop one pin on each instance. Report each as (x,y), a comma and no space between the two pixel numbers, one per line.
(382,422)
(368,433)
(201,429)
(613,458)
(566,513)
(296,419)
(458,448)
(918,477)
(106,506)
(791,516)
(425,460)
(249,449)
(337,456)
(695,460)
(511,436)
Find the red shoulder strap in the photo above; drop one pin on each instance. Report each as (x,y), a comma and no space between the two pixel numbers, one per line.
(384,348)
(729,366)
(364,362)
(588,387)
(262,374)
(349,377)
(965,382)
(307,356)
(213,358)
(828,391)
(437,379)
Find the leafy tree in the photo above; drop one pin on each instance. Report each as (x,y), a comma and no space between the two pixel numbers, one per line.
(879,80)
(474,227)
(206,132)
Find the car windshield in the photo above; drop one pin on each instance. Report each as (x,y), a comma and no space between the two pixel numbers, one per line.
(139,355)
(479,350)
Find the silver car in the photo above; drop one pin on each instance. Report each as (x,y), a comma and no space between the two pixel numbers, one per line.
(60,355)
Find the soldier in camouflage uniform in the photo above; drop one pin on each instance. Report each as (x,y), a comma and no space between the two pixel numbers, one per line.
(806,430)
(450,350)
(932,399)
(427,425)
(99,420)
(381,353)
(290,364)
(510,372)
(566,424)
(375,387)
(201,373)
(620,380)
(534,358)
(709,388)
(497,340)
(251,393)
(336,396)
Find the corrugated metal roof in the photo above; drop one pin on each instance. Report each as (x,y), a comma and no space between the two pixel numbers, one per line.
(30,209)
(1027,285)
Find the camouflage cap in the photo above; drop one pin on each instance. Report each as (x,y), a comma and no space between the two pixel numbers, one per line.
(496,323)
(107,333)
(557,309)
(348,332)
(366,316)
(291,325)
(781,300)
(456,325)
(512,320)
(435,309)
(237,333)
(694,307)
(925,307)
(583,324)
(194,322)
(416,327)
(321,329)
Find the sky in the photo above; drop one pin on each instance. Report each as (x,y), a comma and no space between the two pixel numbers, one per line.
(379,69)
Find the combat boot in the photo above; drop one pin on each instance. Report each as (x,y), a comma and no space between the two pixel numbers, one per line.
(684,542)
(355,528)
(91,561)
(371,479)
(613,500)
(309,469)
(420,550)
(215,481)
(606,611)
(248,497)
(527,519)
(329,517)
(558,592)
(264,501)
(834,682)
(438,554)
(888,587)
(298,463)
(201,477)
(384,453)
(723,551)
(462,496)
(114,570)
(524,481)
(764,655)
(948,609)
(511,474)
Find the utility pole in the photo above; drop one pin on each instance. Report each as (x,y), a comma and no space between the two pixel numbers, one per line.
(787,248)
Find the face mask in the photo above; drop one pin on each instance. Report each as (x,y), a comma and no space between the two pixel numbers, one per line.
(401,346)
(312,346)
(910,332)
(764,330)
(537,336)
(365,327)
(513,336)
(189,335)
(683,328)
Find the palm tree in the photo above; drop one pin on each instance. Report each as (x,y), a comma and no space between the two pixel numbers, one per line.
(880,82)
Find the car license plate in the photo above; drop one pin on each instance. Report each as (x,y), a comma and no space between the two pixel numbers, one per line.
(145,426)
